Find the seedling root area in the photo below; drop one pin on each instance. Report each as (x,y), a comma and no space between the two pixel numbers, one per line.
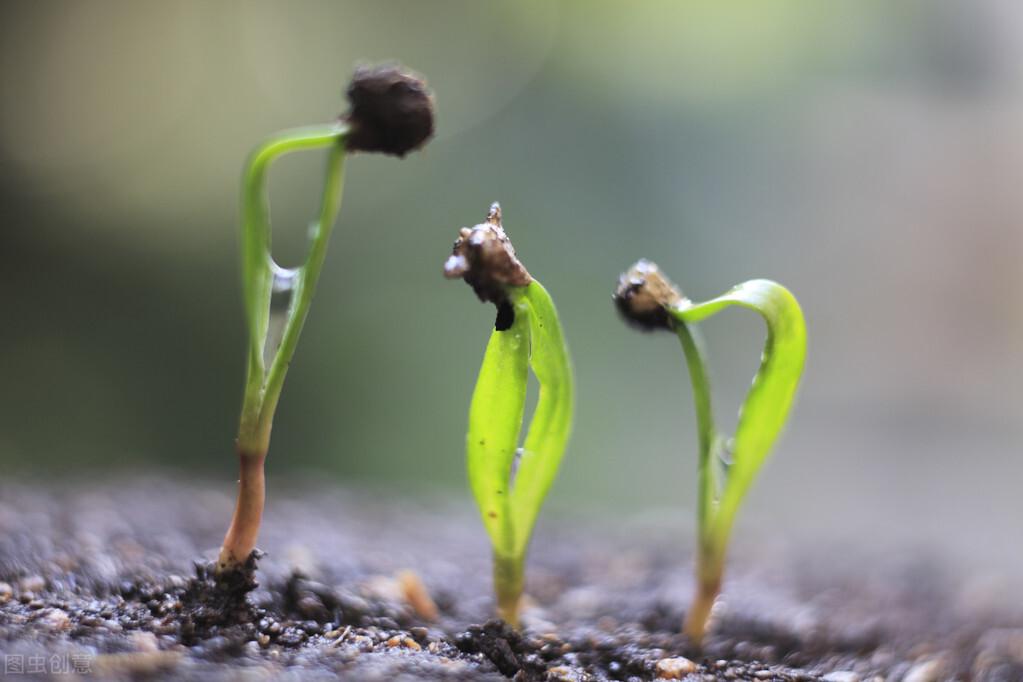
(102,577)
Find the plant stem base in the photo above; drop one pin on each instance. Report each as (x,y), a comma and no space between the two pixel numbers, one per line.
(241,536)
(698,615)
(509,576)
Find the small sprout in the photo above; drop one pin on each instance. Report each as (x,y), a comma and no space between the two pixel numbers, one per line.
(509,482)
(391,112)
(726,467)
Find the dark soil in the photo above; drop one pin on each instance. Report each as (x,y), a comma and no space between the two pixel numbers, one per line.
(100,578)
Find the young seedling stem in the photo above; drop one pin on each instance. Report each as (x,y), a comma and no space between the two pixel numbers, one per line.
(726,467)
(391,112)
(509,482)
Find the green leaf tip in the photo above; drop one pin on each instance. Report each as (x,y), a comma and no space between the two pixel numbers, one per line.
(509,481)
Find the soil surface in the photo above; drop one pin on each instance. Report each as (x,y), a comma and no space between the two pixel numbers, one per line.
(102,580)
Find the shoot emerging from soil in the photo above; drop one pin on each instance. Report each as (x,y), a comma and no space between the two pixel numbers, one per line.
(508,481)
(726,466)
(391,112)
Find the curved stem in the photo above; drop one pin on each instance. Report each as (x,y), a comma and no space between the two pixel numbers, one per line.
(761,419)
(305,285)
(699,377)
(709,557)
(258,266)
(766,407)
(257,275)
(262,385)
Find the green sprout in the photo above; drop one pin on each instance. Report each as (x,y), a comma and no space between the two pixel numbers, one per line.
(391,112)
(510,482)
(726,466)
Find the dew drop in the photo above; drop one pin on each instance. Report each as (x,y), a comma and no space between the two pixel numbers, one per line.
(281,292)
(515,466)
(284,279)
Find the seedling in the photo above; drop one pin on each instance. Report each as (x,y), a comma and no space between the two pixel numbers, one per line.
(391,112)
(510,482)
(726,466)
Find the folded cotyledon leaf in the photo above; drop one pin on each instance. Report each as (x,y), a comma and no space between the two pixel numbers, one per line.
(510,482)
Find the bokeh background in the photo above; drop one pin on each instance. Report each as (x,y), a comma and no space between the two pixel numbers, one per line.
(868,154)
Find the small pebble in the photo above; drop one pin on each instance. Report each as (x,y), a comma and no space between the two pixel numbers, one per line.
(5,592)
(134,665)
(842,676)
(564,673)
(56,619)
(417,596)
(674,668)
(291,637)
(166,628)
(927,671)
(32,583)
(144,641)
(386,622)
(406,642)
(311,607)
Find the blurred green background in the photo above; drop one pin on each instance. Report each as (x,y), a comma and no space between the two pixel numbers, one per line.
(867,154)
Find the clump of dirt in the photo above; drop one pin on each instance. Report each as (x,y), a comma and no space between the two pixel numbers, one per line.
(214,601)
(391,110)
(98,579)
(505,647)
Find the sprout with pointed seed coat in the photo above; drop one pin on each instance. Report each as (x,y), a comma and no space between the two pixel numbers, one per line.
(509,482)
